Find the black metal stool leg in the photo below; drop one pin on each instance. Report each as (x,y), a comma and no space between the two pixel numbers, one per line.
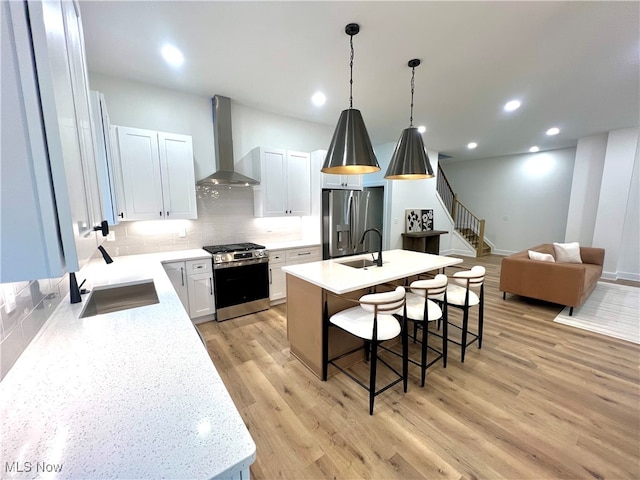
(372,378)
(465,326)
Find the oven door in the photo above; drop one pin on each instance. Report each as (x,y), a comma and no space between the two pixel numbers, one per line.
(241,288)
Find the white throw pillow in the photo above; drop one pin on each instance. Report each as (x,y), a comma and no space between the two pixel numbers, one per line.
(542,257)
(567,252)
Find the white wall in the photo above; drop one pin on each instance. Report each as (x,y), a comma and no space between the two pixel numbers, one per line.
(141,105)
(629,258)
(615,188)
(523,198)
(408,194)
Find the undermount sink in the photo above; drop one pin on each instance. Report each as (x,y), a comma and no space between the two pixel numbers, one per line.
(123,296)
(361,263)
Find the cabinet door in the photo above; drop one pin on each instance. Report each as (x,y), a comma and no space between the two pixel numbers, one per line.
(200,287)
(353,182)
(57,49)
(178,177)
(298,183)
(277,283)
(177,274)
(29,246)
(329,180)
(140,169)
(273,183)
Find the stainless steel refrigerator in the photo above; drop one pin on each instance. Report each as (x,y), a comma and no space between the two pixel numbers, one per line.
(346,214)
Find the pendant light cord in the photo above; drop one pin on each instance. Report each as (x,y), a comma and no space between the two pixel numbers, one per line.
(413,74)
(351,73)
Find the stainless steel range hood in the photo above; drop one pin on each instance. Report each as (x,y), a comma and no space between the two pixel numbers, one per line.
(223,140)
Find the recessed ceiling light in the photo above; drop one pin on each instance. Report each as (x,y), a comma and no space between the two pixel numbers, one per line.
(472,145)
(422,129)
(172,55)
(512,105)
(534,149)
(318,99)
(553,131)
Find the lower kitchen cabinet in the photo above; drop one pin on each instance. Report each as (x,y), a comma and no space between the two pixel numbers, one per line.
(177,274)
(193,282)
(280,258)
(200,287)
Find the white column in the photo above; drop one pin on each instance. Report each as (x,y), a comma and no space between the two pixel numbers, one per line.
(614,195)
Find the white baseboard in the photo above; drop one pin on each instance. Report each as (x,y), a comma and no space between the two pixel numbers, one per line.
(634,277)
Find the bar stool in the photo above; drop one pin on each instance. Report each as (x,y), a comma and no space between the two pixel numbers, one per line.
(426,302)
(373,321)
(461,294)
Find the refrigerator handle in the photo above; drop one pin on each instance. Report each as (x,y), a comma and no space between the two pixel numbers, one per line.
(353,208)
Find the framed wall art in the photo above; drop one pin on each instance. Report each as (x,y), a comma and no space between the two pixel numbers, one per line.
(413,220)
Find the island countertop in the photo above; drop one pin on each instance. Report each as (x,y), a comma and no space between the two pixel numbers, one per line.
(128,394)
(335,277)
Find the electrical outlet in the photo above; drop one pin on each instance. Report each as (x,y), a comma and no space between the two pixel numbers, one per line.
(111,237)
(395,221)
(505,219)
(182,232)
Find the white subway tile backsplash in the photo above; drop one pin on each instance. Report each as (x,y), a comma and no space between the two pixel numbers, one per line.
(225,215)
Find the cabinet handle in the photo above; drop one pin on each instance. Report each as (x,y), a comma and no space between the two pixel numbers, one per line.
(121,214)
(160,213)
(211,285)
(305,253)
(167,213)
(182,275)
(270,277)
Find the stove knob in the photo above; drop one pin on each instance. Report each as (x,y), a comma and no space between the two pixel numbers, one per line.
(218,258)
(259,253)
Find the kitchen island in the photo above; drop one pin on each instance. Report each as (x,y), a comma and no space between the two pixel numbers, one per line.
(127,394)
(311,285)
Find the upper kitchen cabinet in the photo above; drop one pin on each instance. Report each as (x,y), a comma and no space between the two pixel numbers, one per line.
(285,181)
(158,178)
(336,182)
(49,187)
(106,168)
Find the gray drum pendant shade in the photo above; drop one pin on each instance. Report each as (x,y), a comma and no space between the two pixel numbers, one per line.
(409,160)
(350,152)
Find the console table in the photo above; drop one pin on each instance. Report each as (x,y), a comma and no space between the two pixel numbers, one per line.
(425,242)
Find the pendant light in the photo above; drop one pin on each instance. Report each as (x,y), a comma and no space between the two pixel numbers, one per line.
(409,160)
(350,152)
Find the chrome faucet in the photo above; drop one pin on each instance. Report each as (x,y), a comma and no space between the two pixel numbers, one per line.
(379,260)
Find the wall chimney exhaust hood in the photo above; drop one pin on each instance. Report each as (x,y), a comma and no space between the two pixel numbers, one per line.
(223,140)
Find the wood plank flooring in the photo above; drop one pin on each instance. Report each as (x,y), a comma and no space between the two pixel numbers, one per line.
(539,400)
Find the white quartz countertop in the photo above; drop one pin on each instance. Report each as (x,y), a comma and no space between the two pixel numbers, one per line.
(129,394)
(291,244)
(337,278)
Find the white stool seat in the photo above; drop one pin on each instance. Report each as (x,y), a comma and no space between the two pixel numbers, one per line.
(359,322)
(456,295)
(415,308)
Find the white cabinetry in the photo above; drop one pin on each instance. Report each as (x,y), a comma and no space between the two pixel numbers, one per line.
(176,271)
(285,181)
(280,258)
(200,287)
(193,282)
(277,284)
(341,182)
(49,187)
(105,157)
(158,179)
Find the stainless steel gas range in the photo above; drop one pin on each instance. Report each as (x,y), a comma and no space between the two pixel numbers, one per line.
(240,279)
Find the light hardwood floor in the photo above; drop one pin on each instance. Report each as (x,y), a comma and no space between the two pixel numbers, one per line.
(539,400)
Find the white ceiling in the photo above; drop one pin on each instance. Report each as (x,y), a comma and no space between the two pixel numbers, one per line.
(574,65)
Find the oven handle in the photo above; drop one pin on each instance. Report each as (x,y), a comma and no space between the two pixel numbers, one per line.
(240,263)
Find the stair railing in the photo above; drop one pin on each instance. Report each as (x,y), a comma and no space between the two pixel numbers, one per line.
(465,222)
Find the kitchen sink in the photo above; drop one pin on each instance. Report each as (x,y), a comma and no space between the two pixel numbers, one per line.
(123,296)
(361,263)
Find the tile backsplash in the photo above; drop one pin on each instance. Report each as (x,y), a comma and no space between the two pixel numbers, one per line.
(225,215)
(24,308)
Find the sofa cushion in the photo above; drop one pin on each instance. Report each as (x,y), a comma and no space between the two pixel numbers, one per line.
(541,257)
(567,252)
(592,274)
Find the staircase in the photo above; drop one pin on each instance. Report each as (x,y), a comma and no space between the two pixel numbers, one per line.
(470,227)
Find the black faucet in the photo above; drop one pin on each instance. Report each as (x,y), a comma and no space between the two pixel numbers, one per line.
(379,260)
(105,255)
(75,291)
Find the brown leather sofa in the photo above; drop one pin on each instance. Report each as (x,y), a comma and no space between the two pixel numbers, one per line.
(567,284)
